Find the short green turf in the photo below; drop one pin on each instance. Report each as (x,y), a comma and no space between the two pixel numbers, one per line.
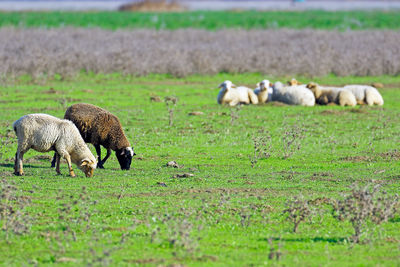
(209,20)
(229,213)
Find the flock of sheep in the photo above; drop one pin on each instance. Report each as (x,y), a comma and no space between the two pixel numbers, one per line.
(88,123)
(298,94)
(82,123)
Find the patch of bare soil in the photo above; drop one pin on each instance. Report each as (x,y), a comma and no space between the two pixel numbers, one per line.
(392,155)
(341,112)
(155,98)
(183,175)
(277,104)
(357,158)
(52,91)
(153,6)
(323,176)
(392,85)
(145,261)
(389,155)
(39,158)
(196,113)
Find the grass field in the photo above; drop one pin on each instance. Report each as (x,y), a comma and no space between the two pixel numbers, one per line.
(341,20)
(231,211)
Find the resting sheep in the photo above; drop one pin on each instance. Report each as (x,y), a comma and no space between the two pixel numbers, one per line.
(44,133)
(264,91)
(99,127)
(366,94)
(293,95)
(337,95)
(293,81)
(233,96)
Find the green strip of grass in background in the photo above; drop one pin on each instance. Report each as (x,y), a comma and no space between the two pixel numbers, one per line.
(356,20)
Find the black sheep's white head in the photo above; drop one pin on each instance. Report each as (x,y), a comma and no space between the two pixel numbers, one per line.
(124,157)
(264,85)
(226,86)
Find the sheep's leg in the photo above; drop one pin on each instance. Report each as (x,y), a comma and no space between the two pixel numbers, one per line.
(369,98)
(57,158)
(233,103)
(99,162)
(68,159)
(15,163)
(106,157)
(18,166)
(53,162)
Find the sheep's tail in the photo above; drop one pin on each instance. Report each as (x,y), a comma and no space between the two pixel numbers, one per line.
(373,97)
(253,97)
(347,98)
(15,126)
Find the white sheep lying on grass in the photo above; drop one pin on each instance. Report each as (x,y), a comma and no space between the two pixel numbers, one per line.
(233,96)
(293,95)
(337,95)
(45,133)
(366,94)
(264,91)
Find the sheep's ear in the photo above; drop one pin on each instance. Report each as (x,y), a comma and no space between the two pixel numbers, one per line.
(122,152)
(84,162)
(220,86)
(271,84)
(258,84)
(311,85)
(233,85)
(130,151)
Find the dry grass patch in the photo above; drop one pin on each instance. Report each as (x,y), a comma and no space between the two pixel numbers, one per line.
(68,51)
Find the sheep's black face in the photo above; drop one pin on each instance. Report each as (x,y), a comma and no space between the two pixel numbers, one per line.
(124,157)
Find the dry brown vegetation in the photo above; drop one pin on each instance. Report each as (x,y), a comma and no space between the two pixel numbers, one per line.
(153,6)
(68,51)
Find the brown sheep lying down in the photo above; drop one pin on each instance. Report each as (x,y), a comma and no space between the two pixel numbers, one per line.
(101,128)
(332,95)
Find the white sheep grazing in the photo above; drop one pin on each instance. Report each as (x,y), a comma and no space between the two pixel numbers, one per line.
(264,91)
(293,95)
(45,133)
(326,95)
(233,96)
(366,94)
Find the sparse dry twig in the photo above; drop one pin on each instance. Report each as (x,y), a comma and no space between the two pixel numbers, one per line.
(363,205)
(13,217)
(262,147)
(170,102)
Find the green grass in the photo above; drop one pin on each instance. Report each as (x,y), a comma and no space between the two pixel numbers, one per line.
(209,20)
(128,218)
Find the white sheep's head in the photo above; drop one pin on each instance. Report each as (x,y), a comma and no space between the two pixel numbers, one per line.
(293,82)
(87,166)
(263,85)
(278,85)
(227,85)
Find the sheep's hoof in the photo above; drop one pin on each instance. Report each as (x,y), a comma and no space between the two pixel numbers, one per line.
(72,174)
(18,173)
